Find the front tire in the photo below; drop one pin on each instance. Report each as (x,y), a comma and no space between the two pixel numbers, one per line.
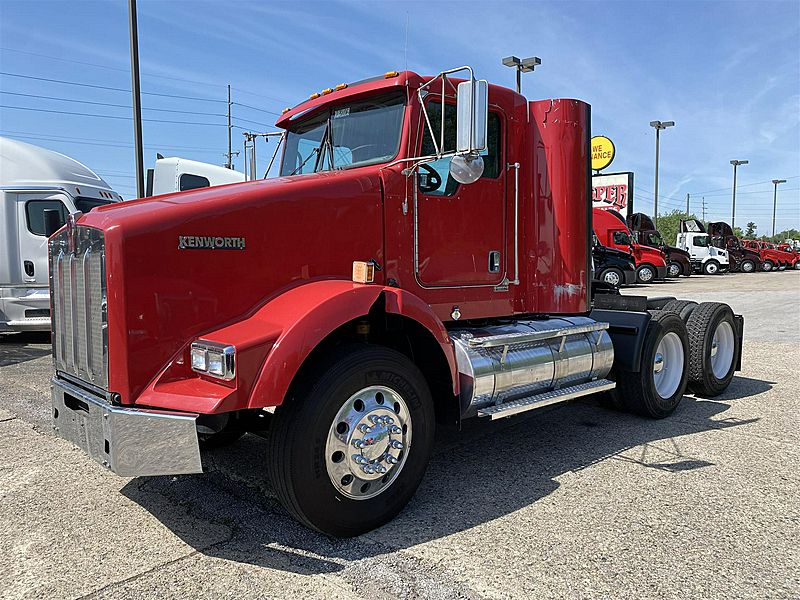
(645,274)
(349,446)
(657,389)
(713,348)
(767,266)
(747,266)
(711,267)
(674,269)
(612,276)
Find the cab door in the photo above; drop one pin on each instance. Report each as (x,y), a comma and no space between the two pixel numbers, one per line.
(461,228)
(31,237)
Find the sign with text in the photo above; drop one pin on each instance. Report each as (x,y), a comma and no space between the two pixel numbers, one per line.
(603,151)
(613,191)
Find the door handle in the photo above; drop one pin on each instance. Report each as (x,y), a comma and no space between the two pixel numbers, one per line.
(28,266)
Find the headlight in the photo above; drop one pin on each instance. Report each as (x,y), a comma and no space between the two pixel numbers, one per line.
(212,358)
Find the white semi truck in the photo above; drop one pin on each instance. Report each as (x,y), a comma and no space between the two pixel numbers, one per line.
(705,257)
(33,180)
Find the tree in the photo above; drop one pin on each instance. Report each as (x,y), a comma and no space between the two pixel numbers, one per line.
(669,225)
(737,231)
(751,230)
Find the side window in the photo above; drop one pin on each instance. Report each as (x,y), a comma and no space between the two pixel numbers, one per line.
(193,182)
(34,214)
(620,237)
(491,156)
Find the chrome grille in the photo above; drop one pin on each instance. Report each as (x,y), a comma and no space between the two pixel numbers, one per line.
(78,296)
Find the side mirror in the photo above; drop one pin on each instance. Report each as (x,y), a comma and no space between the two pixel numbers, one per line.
(472,116)
(52,221)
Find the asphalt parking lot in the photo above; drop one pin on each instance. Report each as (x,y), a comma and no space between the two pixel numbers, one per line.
(575,501)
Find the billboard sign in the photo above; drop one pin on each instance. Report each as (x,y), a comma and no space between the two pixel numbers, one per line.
(613,191)
(603,152)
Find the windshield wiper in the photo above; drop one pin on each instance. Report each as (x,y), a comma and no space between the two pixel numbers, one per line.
(303,164)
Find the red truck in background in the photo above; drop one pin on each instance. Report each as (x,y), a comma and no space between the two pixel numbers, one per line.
(423,258)
(772,259)
(612,231)
(645,233)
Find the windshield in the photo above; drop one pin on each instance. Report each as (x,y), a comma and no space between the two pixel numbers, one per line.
(654,239)
(86,204)
(344,136)
(701,241)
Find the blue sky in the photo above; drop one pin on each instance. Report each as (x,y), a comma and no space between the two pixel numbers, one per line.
(727,72)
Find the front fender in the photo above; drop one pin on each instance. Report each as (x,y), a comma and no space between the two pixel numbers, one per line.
(306,315)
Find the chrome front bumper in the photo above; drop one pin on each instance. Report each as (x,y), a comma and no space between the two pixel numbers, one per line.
(128,441)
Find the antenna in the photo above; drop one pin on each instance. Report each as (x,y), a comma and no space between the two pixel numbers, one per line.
(405,47)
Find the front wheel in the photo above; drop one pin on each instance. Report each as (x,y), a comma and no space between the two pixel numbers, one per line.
(747,266)
(612,276)
(674,269)
(350,445)
(645,274)
(767,266)
(711,267)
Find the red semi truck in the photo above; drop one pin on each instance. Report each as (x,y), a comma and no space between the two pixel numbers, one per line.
(613,232)
(772,259)
(424,258)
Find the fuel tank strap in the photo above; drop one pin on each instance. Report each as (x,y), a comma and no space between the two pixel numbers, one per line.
(505,339)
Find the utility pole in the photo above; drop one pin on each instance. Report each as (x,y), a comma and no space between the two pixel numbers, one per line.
(658,126)
(775,202)
(687,206)
(735,164)
(229,164)
(137,98)
(704,212)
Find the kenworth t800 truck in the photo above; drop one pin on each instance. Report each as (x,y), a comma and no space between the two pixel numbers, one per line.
(424,258)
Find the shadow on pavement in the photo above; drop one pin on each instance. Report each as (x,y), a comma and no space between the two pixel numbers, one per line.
(486,471)
(21,347)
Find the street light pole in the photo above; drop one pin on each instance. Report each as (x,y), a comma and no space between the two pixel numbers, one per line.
(775,202)
(658,126)
(137,99)
(735,164)
(525,65)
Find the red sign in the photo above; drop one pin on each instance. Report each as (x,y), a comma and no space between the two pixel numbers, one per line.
(613,192)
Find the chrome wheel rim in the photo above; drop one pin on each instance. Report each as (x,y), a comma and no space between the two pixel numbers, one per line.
(668,365)
(767,266)
(612,277)
(368,442)
(646,274)
(747,267)
(797,265)
(722,345)
(674,270)
(711,268)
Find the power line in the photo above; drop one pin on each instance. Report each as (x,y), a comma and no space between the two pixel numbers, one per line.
(106,87)
(60,138)
(64,112)
(271,112)
(741,186)
(111,104)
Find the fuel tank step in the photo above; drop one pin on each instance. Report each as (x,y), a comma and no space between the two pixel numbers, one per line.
(498,411)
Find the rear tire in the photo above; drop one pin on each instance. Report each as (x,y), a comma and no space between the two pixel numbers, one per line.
(612,276)
(711,267)
(682,308)
(657,389)
(713,348)
(330,441)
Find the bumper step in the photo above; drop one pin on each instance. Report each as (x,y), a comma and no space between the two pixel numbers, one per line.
(541,400)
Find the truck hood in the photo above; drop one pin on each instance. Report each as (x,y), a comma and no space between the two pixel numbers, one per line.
(181,265)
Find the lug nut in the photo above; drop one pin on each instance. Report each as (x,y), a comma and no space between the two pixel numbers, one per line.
(391,459)
(380,468)
(397,445)
(395,429)
(358,443)
(368,469)
(359,459)
(364,428)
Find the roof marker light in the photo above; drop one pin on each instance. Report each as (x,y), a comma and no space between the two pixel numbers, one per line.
(314,96)
(285,110)
(389,74)
(341,86)
(327,90)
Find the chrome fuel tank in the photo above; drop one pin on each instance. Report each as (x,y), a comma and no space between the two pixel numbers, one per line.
(501,363)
